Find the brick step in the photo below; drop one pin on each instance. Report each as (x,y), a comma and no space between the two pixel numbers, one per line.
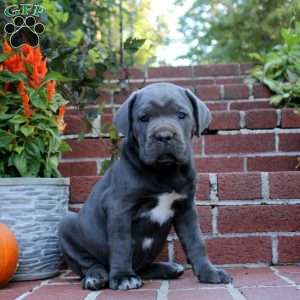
(168,72)
(206,92)
(208,164)
(75,123)
(245,218)
(249,282)
(259,150)
(237,143)
(221,120)
(232,187)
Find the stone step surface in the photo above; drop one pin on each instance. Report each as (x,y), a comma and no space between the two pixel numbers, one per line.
(267,283)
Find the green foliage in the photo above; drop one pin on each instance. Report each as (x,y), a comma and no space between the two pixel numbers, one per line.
(132,45)
(29,145)
(81,35)
(279,69)
(83,39)
(115,149)
(229,30)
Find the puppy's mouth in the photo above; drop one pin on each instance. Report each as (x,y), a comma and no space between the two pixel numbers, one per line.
(167,159)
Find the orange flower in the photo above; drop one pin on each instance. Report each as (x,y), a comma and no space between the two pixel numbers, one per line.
(51,89)
(25,99)
(60,119)
(6,47)
(14,64)
(28,56)
(39,72)
(61,113)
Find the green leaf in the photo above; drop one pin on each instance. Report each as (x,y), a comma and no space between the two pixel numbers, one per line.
(20,163)
(5,138)
(272,84)
(51,165)
(57,101)
(4,56)
(27,130)
(18,149)
(276,100)
(290,38)
(90,82)
(56,76)
(39,117)
(34,147)
(256,56)
(8,77)
(4,116)
(64,147)
(54,144)
(18,119)
(29,68)
(113,134)
(132,45)
(105,165)
(33,167)
(292,76)
(38,101)
(2,169)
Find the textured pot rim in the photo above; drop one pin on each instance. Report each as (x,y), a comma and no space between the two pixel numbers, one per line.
(34,181)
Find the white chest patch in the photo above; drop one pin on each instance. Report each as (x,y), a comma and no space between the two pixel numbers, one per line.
(162,212)
(147,243)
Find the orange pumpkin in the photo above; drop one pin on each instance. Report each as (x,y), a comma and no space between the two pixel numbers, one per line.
(9,254)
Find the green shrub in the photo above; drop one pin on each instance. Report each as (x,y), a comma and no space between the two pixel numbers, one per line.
(31,115)
(279,69)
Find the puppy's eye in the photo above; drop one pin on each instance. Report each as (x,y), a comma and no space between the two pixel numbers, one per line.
(144,118)
(181,115)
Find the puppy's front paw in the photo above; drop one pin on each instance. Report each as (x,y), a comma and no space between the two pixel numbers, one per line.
(93,283)
(211,274)
(125,282)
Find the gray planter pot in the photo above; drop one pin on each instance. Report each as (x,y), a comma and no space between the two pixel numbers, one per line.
(32,208)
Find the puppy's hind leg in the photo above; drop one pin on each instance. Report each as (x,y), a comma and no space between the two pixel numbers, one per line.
(92,274)
(162,270)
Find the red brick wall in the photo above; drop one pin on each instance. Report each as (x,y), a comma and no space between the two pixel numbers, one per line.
(248,195)
(237,211)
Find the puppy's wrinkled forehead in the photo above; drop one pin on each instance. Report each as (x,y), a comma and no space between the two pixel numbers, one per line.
(163,95)
(170,97)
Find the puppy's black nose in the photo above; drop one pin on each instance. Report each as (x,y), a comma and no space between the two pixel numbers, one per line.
(164,136)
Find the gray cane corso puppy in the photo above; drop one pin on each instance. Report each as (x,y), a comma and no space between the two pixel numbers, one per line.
(125,221)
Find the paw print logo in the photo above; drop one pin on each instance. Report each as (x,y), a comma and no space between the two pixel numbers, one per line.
(24,31)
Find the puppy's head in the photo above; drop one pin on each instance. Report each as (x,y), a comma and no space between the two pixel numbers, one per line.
(161,118)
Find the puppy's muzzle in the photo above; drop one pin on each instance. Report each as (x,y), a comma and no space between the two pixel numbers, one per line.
(164,136)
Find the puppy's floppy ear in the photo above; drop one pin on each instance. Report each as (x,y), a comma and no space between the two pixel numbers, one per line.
(202,114)
(123,117)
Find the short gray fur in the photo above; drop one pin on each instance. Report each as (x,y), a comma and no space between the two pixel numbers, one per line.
(150,187)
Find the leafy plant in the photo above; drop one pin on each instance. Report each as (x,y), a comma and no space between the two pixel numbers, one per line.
(83,39)
(279,69)
(31,115)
